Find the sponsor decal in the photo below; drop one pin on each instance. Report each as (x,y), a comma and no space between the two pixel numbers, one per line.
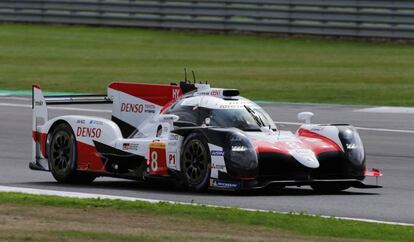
(172,144)
(219,167)
(173,137)
(157,145)
(96,122)
(175,93)
(203,93)
(130,146)
(150,106)
(235,106)
(317,129)
(224,184)
(132,108)
(168,118)
(215,93)
(88,132)
(80,121)
(38,103)
(217,153)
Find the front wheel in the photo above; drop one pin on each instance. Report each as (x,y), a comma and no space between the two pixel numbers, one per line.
(196,162)
(62,156)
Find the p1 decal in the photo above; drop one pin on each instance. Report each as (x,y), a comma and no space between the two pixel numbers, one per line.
(88,132)
(172,160)
(157,164)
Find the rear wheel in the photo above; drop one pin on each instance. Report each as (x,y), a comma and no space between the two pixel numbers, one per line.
(330,187)
(62,156)
(196,162)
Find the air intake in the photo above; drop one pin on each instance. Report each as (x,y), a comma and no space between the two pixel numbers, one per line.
(231,93)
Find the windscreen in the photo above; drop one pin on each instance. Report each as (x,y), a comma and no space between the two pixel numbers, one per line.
(247,118)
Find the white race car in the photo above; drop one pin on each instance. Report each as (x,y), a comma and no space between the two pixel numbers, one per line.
(195,135)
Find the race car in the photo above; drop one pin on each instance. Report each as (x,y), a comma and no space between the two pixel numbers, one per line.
(196,136)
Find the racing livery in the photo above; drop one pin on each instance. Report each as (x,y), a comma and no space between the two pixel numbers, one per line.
(198,136)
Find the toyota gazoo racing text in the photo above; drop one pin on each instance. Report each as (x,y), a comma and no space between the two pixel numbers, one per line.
(198,136)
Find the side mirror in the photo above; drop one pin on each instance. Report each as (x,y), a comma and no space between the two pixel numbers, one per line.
(167,118)
(305,116)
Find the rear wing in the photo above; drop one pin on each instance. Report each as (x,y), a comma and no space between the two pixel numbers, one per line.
(40,102)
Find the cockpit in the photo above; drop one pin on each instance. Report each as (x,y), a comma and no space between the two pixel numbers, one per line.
(213,111)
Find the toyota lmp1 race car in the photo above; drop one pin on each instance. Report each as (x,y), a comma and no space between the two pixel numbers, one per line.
(199,137)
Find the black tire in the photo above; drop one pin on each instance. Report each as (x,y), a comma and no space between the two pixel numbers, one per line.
(62,156)
(195,163)
(330,187)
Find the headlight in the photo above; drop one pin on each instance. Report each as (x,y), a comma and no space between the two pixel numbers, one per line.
(239,142)
(353,146)
(238,148)
(240,155)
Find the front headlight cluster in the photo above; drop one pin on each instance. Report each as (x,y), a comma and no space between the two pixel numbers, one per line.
(353,146)
(238,148)
(239,142)
(240,155)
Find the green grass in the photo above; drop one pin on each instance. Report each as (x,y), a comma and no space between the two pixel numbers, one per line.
(297,224)
(85,59)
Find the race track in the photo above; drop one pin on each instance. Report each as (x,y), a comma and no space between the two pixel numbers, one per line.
(388,135)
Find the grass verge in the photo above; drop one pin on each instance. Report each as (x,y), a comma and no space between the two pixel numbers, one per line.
(199,218)
(85,59)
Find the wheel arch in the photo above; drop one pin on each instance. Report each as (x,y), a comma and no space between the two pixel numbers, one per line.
(204,183)
(50,131)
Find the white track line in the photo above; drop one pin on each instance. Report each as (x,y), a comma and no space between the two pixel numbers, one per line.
(134,199)
(110,111)
(14,98)
(57,108)
(396,110)
(15,105)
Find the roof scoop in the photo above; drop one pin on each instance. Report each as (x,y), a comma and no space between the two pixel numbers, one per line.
(231,92)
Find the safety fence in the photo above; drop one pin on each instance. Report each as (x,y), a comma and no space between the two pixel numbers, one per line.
(369,18)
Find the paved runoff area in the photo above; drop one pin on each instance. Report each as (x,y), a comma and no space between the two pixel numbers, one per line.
(388,135)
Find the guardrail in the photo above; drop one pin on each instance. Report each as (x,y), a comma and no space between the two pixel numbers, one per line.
(369,18)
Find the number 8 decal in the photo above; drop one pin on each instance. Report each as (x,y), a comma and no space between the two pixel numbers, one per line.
(154,160)
(157,161)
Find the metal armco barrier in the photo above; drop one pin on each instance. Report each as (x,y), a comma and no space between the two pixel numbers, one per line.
(369,18)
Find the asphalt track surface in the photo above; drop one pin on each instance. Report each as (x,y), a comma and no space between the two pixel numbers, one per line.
(388,139)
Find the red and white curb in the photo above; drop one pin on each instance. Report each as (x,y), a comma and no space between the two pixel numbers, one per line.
(80,195)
